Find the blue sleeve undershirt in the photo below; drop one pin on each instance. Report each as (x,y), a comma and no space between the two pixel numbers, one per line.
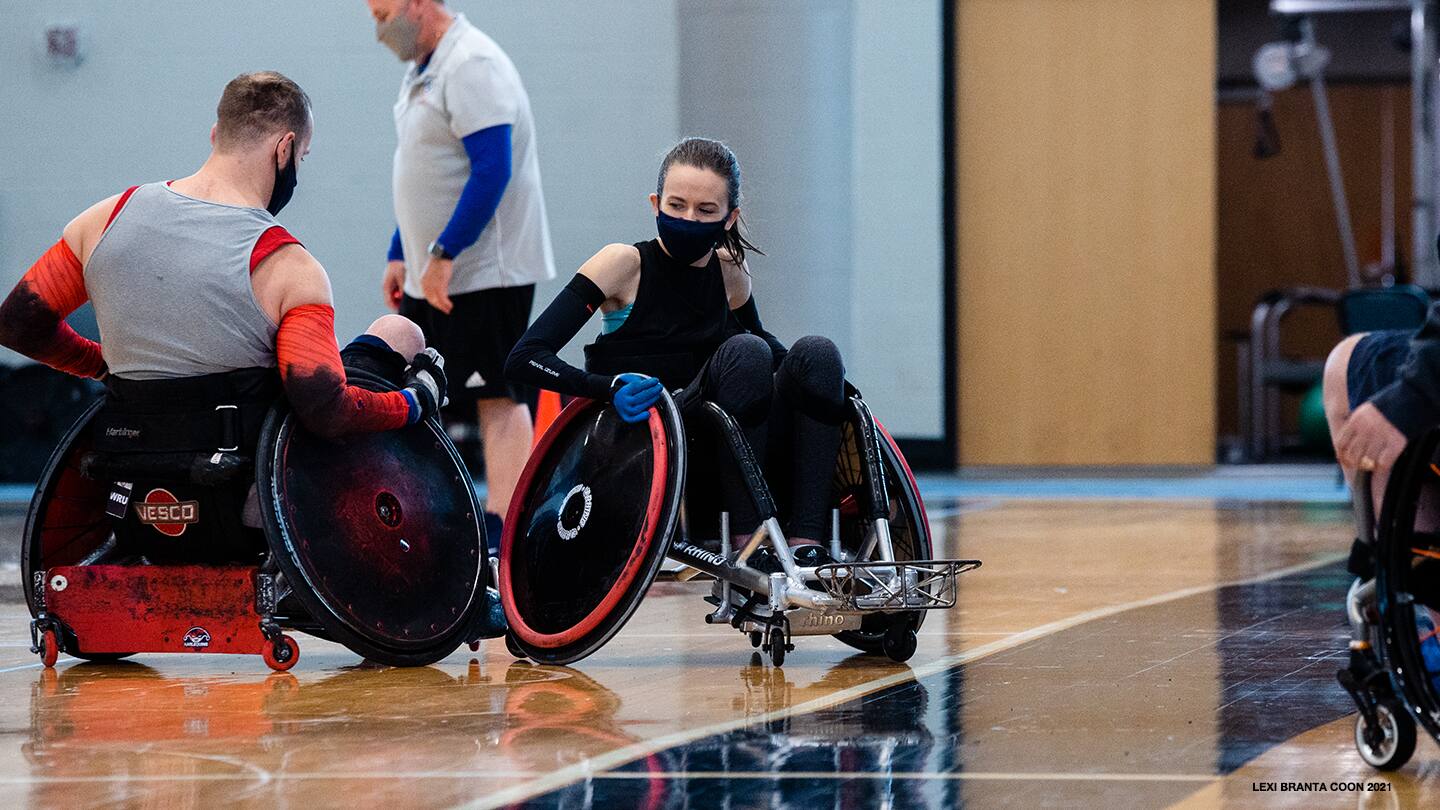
(489,153)
(397,253)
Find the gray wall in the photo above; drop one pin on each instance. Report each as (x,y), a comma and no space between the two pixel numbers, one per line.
(601,79)
(897,280)
(832,106)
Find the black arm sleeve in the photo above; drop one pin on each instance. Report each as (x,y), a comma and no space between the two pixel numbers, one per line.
(749,317)
(535,359)
(1412,403)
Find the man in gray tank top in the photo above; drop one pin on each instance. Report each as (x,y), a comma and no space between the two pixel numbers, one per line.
(195,277)
(199,293)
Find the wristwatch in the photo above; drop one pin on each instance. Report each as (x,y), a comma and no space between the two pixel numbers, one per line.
(438,251)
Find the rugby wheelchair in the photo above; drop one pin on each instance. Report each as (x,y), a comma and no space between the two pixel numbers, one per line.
(373,541)
(601,504)
(1393,607)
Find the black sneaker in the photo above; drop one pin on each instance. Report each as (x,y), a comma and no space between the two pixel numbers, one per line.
(765,561)
(806,556)
(811,555)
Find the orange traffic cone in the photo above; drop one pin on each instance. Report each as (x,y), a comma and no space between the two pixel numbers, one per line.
(546,409)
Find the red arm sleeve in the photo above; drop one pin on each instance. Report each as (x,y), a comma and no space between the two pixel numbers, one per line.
(32,319)
(314,379)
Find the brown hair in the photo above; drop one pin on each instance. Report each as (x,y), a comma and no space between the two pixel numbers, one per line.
(258,104)
(705,153)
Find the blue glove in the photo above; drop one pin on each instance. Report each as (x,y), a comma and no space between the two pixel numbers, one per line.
(633,394)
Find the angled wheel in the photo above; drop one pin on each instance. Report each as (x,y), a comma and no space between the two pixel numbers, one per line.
(379,534)
(1390,743)
(1407,578)
(909,528)
(513,648)
(589,526)
(66,522)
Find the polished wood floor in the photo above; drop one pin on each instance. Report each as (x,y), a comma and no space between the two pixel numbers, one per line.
(1108,654)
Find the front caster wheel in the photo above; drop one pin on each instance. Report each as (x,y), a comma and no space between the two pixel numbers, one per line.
(281,653)
(900,642)
(777,648)
(756,639)
(1389,744)
(49,648)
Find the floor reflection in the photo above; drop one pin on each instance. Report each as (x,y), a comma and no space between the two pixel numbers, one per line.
(1148,705)
(198,741)
(851,756)
(1160,685)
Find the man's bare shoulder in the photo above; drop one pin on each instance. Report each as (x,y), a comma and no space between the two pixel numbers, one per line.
(83,232)
(290,277)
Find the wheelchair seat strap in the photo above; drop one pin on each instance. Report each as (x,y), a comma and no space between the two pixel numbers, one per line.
(224,428)
(214,412)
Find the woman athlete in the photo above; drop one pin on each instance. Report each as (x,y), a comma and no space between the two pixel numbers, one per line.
(677,312)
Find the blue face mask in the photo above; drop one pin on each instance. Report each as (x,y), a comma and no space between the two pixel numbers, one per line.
(687,240)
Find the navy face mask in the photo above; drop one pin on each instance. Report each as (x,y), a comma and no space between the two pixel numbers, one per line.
(285,181)
(687,240)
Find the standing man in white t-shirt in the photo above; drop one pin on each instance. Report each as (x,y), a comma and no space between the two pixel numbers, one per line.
(472,237)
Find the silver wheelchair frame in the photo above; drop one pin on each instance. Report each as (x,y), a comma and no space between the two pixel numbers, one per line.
(871,581)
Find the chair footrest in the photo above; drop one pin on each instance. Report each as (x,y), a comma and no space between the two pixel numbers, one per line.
(905,585)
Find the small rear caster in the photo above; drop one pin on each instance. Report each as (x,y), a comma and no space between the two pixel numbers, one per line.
(514,647)
(899,642)
(756,639)
(49,648)
(475,646)
(281,653)
(1389,743)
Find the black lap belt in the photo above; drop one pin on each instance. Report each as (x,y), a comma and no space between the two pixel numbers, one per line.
(226,428)
(204,414)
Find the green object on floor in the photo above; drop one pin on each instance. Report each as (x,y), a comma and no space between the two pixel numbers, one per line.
(1314,431)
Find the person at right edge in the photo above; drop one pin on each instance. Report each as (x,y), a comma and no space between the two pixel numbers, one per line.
(677,312)
(1381,392)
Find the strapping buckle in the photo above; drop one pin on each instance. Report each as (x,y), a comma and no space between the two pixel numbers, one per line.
(229,428)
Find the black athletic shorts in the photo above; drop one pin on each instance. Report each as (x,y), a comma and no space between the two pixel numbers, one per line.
(1375,363)
(476,338)
(373,354)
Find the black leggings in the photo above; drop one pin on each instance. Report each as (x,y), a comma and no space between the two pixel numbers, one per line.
(791,419)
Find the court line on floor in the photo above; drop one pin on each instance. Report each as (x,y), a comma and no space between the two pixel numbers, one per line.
(956,776)
(255,774)
(621,756)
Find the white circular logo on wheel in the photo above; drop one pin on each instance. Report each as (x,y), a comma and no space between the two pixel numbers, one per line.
(571,532)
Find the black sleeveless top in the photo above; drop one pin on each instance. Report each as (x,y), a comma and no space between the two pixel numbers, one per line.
(680,317)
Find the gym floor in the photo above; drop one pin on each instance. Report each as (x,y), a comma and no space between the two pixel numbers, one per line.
(1121,646)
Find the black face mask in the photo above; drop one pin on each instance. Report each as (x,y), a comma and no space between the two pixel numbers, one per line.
(285,181)
(687,240)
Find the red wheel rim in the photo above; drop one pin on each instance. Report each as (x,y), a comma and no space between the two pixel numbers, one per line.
(633,565)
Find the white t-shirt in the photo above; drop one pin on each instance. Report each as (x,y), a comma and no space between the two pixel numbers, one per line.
(468,85)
